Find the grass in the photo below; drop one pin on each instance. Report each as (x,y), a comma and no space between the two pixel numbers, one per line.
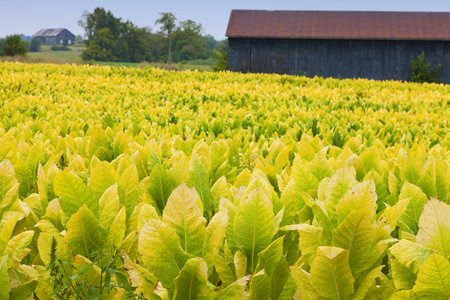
(46,55)
(64,56)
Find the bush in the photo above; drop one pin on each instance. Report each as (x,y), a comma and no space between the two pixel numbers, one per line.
(222,58)
(60,48)
(13,45)
(421,71)
(35,45)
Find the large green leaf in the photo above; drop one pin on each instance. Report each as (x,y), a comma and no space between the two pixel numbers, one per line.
(128,187)
(411,167)
(140,278)
(320,167)
(7,177)
(73,193)
(260,288)
(269,257)
(5,285)
(160,186)
(405,295)
(355,234)
(116,232)
(234,290)
(198,178)
(279,278)
(7,230)
(304,180)
(414,209)
(102,177)
(214,237)
(310,237)
(410,254)
(303,281)
(367,283)
(23,291)
(433,279)
(240,264)
(404,277)
(84,234)
(192,282)
(361,197)
(253,225)
(393,213)
(434,227)
(16,247)
(161,251)
(340,183)
(183,214)
(330,273)
(109,205)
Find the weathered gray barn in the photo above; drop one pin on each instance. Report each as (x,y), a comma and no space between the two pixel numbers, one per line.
(347,44)
(55,36)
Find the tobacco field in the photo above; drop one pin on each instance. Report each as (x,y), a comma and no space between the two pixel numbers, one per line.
(134,183)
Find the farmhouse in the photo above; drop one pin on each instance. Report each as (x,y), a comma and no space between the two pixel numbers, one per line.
(347,44)
(55,36)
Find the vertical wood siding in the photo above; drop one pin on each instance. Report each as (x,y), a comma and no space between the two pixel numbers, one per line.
(373,59)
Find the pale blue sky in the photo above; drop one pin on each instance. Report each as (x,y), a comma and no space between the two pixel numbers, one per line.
(29,16)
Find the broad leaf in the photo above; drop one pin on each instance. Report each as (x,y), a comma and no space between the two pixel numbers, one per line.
(160,186)
(361,197)
(116,233)
(84,234)
(73,193)
(109,205)
(410,254)
(198,178)
(128,187)
(433,279)
(253,225)
(330,273)
(140,278)
(234,290)
(340,183)
(183,214)
(102,177)
(355,234)
(7,230)
(192,282)
(5,285)
(16,247)
(269,257)
(414,209)
(214,237)
(7,177)
(161,251)
(434,227)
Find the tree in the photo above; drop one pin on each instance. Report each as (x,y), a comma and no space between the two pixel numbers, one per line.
(100,47)
(13,45)
(35,45)
(167,22)
(421,71)
(189,42)
(221,56)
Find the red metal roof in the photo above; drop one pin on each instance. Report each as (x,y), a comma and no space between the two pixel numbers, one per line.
(339,24)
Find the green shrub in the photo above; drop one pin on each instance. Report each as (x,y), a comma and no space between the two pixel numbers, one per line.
(60,48)
(35,45)
(13,45)
(421,71)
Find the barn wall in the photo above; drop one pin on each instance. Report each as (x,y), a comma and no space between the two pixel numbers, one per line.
(374,59)
(56,40)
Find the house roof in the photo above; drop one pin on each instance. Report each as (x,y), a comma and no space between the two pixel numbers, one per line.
(339,25)
(50,32)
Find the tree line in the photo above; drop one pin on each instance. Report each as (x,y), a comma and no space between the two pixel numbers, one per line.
(108,38)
